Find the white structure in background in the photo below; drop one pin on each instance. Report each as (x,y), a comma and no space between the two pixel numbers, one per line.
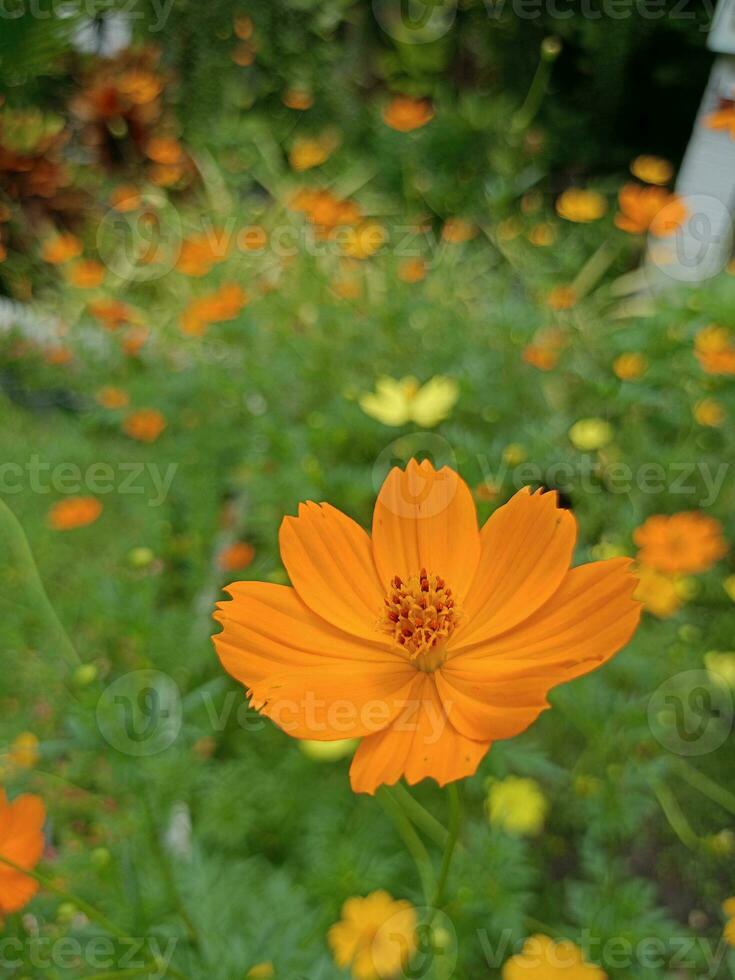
(105,35)
(702,247)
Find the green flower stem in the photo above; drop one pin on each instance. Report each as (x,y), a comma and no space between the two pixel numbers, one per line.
(455,822)
(421,817)
(550,50)
(595,268)
(675,815)
(708,787)
(93,914)
(16,543)
(414,844)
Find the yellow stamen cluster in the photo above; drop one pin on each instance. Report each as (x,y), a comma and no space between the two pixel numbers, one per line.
(419,614)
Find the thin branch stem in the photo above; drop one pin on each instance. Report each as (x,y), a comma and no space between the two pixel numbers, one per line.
(424,820)
(413,843)
(455,821)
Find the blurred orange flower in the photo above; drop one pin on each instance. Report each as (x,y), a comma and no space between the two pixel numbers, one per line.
(217,307)
(722,118)
(710,413)
(61,249)
(561,298)
(405,114)
(685,543)
(112,398)
(87,274)
(134,341)
(296,98)
(630,366)
(652,170)
(200,253)
(376,936)
(458,230)
(236,556)
(21,841)
(165,150)
(576,204)
(125,198)
(307,153)
(474,627)
(145,425)
(412,270)
(651,209)
(715,350)
(73,512)
(111,313)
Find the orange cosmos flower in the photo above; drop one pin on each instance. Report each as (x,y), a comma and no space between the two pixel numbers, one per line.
(201,252)
(217,307)
(296,98)
(61,249)
(683,543)
(164,150)
(125,198)
(74,512)
(651,209)
(145,425)
(307,153)
(709,412)
(561,298)
(458,230)
(87,274)
(21,841)
(412,270)
(432,639)
(405,114)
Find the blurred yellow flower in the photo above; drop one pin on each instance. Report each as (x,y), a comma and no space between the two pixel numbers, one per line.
(728,933)
(514,453)
(561,298)
(458,230)
(363,241)
(630,366)
(261,971)
(542,234)
(729,586)
(548,960)
(24,751)
(722,665)
(590,434)
(652,170)
(517,805)
(376,936)
(658,592)
(307,153)
(406,114)
(709,412)
(396,402)
(579,205)
(341,748)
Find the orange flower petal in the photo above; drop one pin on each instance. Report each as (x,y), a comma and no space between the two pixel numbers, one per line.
(420,743)
(495,686)
(527,548)
(426,518)
(330,563)
(313,680)
(21,841)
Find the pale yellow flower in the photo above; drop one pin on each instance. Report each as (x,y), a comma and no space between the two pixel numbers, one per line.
(659,592)
(340,748)
(396,402)
(590,434)
(579,205)
(652,170)
(545,959)
(517,805)
(721,666)
(375,937)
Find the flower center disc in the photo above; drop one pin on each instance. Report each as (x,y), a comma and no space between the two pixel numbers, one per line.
(420,615)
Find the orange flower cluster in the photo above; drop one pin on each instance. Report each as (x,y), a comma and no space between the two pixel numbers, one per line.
(217,307)
(715,350)
(111,313)
(654,209)
(543,352)
(61,249)
(723,118)
(325,211)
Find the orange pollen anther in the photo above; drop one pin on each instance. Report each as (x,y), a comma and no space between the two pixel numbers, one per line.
(420,614)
